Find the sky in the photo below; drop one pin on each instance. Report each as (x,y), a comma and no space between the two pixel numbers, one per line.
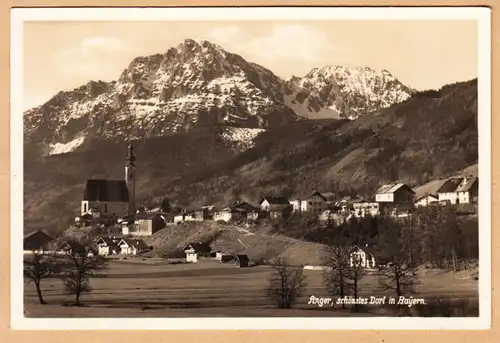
(421,54)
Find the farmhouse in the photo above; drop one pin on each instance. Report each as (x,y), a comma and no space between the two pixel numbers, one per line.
(36,241)
(70,248)
(396,199)
(314,203)
(426,200)
(364,257)
(241,260)
(130,246)
(447,192)
(363,209)
(195,250)
(145,224)
(468,190)
(107,246)
(273,204)
(234,212)
(112,197)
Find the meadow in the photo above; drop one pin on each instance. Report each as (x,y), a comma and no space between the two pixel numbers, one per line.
(153,287)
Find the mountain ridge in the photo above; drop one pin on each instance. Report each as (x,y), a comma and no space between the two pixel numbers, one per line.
(198,83)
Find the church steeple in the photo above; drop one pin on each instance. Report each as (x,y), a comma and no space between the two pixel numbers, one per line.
(130,178)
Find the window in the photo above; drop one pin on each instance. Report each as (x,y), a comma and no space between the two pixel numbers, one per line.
(85,207)
(105,208)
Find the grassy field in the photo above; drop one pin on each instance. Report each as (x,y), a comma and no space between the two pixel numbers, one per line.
(154,288)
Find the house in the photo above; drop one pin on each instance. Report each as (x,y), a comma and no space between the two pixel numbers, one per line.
(236,211)
(274,204)
(145,224)
(468,190)
(202,214)
(226,258)
(364,257)
(447,193)
(398,193)
(195,250)
(185,216)
(314,203)
(332,216)
(112,197)
(132,246)
(365,208)
(70,247)
(241,260)
(395,197)
(256,215)
(107,246)
(36,241)
(426,200)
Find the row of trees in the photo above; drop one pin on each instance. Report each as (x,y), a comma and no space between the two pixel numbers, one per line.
(434,235)
(74,267)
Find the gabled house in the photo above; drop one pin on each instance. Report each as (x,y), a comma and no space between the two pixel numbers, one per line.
(195,250)
(395,199)
(233,212)
(365,208)
(36,241)
(145,224)
(105,197)
(271,203)
(107,246)
(363,257)
(315,203)
(426,200)
(71,247)
(468,190)
(241,260)
(132,246)
(447,193)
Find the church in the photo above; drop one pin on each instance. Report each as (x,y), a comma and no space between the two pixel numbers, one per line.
(111,197)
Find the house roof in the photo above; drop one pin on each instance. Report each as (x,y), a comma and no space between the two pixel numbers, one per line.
(147,216)
(109,241)
(425,196)
(275,200)
(106,190)
(391,188)
(241,258)
(368,250)
(199,247)
(450,185)
(137,243)
(36,240)
(243,206)
(467,185)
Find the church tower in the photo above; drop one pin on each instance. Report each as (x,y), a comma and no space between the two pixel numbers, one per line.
(130,179)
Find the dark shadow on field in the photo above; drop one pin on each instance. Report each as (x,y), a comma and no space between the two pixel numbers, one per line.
(189,273)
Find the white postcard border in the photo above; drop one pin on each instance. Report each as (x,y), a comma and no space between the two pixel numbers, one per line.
(481,14)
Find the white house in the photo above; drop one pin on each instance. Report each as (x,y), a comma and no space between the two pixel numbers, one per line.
(129,246)
(315,203)
(363,257)
(468,190)
(363,209)
(398,193)
(195,250)
(274,204)
(426,200)
(107,246)
(448,190)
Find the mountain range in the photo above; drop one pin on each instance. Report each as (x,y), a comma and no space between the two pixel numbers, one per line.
(212,128)
(200,84)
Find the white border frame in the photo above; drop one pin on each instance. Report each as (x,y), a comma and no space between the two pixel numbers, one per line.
(481,14)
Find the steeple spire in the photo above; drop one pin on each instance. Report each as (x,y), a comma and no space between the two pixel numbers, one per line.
(130,156)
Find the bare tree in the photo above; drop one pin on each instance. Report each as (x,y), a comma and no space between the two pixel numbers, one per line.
(81,264)
(337,273)
(400,274)
(40,265)
(356,273)
(286,284)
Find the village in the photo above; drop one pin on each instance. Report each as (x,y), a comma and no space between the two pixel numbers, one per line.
(113,202)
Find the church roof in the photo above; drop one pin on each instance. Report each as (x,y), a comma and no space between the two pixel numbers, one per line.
(106,190)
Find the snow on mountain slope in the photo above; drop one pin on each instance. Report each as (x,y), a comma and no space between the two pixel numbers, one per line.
(242,138)
(58,148)
(341,92)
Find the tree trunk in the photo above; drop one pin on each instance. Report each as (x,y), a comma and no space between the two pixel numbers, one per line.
(77,298)
(39,292)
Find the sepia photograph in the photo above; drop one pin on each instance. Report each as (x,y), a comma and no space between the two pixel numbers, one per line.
(280,168)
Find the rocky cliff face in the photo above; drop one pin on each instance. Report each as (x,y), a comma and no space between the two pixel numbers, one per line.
(200,84)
